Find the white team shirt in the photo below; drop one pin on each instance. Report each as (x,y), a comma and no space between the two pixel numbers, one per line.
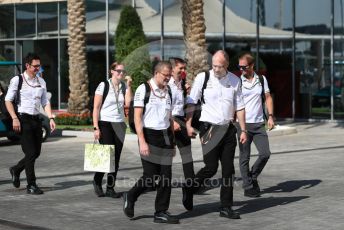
(177,98)
(252,98)
(33,94)
(111,111)
(222,97)
(158,109)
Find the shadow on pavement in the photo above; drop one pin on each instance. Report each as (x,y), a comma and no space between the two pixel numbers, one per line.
(255,205)
(248,206)
(290,186)
(142,217)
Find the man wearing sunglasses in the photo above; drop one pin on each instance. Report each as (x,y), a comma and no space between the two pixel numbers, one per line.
(32,94)
(253,97)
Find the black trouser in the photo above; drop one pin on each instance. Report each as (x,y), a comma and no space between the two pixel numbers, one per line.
(111,133)
(156,167)
(31,143)
(218,143)
(183,143)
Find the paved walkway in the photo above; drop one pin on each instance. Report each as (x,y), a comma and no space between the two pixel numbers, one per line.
(302,187)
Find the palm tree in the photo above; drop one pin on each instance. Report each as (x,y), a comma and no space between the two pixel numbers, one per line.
(194,37)
(78,78)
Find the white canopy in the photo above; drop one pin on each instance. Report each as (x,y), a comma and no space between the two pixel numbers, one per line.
(236,26)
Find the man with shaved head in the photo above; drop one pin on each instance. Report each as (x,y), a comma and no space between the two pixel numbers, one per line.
(221,99)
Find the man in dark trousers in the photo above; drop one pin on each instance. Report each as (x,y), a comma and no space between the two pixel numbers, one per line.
(222,98)
(31,96)
(179,93)
(252,87)
(154,130)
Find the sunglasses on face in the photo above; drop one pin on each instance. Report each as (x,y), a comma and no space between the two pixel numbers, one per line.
(119,71)
(243,67)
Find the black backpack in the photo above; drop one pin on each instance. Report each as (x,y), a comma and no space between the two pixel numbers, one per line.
(261,80)
(145,101)
(4,114)
(198,107)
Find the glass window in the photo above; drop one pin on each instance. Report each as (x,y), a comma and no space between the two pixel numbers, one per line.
(6,22)
(47,18)
(63,18)
(7,51)
(25,20)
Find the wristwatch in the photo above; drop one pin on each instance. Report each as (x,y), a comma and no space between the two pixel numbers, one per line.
(95,128)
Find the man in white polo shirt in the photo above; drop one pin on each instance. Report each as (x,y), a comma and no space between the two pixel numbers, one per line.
(255,125)
(222,97)
(154,130)
(179,93)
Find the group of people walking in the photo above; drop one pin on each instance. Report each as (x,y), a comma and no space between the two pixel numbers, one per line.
(163,114)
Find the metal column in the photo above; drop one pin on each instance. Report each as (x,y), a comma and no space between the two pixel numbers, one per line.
(293,59)
(107,38)
(332,58)
(257,35)
(162,30)
(224,24)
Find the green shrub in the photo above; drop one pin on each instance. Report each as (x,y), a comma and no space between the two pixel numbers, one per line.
(131,46)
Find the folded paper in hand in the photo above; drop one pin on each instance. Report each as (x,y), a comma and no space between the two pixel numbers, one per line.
(99,158)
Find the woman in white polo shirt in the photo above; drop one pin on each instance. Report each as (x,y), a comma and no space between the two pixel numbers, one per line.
(109,122)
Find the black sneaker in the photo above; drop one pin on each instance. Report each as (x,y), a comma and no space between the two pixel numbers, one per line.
(128,206)
(229,213)
(251,192)
(15,178)
(98,190)
(34,190)
(187,198)
(256,185)
(165,217)
(110,192)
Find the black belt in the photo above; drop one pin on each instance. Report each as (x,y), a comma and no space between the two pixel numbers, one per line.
(29,116)
(157,132)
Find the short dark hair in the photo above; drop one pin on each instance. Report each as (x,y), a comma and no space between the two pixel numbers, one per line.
(248,56)
(176,60)
(31,56)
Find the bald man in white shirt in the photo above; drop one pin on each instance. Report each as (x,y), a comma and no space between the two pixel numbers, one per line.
(222,98)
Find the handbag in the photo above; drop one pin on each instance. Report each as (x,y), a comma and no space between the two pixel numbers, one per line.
(99,158)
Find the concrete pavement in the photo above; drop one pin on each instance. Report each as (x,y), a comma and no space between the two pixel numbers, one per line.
(302,187)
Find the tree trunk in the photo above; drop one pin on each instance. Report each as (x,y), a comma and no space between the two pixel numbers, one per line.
(78,79)
(194,37)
